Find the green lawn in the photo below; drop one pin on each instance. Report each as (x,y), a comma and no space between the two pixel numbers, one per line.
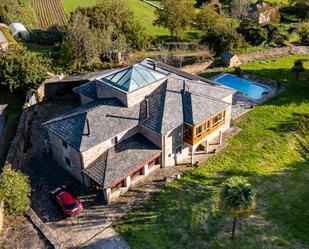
(185,214)
(70,5)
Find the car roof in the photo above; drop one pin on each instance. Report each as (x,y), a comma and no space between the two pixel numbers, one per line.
(66,198)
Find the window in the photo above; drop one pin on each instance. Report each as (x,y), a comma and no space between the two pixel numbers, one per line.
(67,162)
(217,119)
(64,144)
(206,126)
(114,140)
(198,130)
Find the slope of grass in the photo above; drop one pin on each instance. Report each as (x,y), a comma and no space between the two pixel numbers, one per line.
(185,213)
(71,5)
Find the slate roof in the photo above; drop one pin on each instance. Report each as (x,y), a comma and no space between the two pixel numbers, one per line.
(197,108)
(228,55)
(107,118)
(169,107)
(121,160)
(88,89)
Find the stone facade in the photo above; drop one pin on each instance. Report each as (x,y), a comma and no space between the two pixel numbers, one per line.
(154,137)
(66,156)
(170,142)
(90,155)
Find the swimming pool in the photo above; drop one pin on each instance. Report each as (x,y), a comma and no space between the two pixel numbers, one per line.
(249,88)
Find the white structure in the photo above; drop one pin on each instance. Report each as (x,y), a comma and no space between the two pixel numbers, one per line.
(19,31)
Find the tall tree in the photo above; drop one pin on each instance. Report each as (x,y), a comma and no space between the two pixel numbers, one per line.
(93,33)
(218,32)
(176,16)
(208,18)
(82,39)
(21,69)
(239,8)
(237,199)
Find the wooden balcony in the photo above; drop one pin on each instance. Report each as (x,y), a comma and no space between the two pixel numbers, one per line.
(194,134)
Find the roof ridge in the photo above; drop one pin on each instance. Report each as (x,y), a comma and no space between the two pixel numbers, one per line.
(208,97)
(79,110)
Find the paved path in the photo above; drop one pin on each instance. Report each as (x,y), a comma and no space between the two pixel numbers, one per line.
(108,239)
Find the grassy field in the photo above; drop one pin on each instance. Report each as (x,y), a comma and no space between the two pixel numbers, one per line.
(185,214)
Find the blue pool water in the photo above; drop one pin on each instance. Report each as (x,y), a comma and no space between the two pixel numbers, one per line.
(249,88)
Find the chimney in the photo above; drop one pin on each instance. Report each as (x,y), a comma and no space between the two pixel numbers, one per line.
(147,107)
(154,65)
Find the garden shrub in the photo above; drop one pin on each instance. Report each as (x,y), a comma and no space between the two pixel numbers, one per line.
(303,32)
(14,191)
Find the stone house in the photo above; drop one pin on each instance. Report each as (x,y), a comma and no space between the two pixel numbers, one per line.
(136,119)
(261,13)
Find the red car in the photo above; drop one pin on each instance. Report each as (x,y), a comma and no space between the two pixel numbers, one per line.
(66,202)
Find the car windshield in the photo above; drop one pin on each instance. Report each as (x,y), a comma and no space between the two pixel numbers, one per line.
(71,206)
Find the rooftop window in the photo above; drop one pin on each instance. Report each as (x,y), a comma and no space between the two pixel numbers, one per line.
(132,78)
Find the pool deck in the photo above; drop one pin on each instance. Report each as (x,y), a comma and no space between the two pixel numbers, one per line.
(243,104)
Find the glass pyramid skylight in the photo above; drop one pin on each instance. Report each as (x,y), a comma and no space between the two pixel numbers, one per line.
(132,78)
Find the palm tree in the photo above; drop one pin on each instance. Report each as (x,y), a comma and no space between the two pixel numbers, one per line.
(237,199)
(298,68)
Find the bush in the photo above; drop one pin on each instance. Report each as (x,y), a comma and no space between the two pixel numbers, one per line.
(14,191)
(303,32)
(21,69)
(253,32)
(224,38)
(276,34)
(50,37)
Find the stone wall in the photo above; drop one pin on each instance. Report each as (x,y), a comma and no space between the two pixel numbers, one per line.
(197,68)
(274,53)
(18,145)
(57,88)
(60,153)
